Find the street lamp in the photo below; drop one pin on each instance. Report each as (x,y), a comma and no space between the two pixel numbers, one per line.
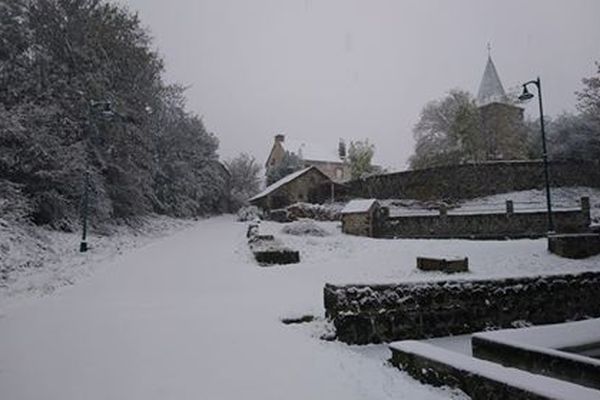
(526,95)
(103,108)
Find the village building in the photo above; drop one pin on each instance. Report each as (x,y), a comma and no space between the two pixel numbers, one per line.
(306,185)
(327,160)
(501,121)
(358,217)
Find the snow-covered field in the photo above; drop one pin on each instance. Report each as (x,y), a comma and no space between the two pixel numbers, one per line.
(192,316)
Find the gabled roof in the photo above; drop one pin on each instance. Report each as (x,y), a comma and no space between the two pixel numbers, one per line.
(490,89)
(286,179)
(310,151)
(359,206)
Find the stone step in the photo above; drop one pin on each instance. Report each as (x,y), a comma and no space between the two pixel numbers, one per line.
(481,379)
(556,350)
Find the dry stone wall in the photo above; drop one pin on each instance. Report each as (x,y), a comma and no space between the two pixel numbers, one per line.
(384,313)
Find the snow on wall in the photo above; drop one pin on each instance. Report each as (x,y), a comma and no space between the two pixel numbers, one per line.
(383,313)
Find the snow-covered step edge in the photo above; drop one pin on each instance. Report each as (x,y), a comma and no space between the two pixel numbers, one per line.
(540,350)
(478,378)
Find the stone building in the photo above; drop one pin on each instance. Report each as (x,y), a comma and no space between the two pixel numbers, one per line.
(358,217)
(326,159)
(502,125)
(306,185)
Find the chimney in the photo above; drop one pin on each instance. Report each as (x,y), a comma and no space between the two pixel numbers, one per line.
(280,138)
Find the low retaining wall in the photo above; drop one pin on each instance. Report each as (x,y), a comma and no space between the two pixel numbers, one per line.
(384,313)
(485,225)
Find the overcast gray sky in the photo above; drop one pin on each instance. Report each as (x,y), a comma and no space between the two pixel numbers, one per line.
(321,70)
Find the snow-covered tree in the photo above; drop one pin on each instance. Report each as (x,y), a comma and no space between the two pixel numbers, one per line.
(360,157)
(245,179)
(448,132)
(290,163)
(149,154)
(589,96)
(569,136)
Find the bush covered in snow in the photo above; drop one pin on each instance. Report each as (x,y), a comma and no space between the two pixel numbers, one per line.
(304,227)
(248,213)
(319,212)
(14,205)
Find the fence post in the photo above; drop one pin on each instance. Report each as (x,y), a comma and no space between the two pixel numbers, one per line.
(510,207)
(585,209)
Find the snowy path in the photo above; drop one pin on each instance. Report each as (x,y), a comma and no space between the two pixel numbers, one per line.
(187,317)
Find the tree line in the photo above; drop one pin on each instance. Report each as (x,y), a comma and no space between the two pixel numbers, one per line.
(449,131)
(83,103)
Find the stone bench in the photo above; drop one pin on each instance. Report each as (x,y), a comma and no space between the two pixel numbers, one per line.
(576,246)
(268,250)
(445,264)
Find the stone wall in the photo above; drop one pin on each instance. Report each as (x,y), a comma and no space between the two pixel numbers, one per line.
(383,313)
(357,224)
(472,180)
(488,225)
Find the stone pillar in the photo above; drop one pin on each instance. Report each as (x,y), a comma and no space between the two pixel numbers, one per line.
(510,207)
(585,209)
(443,210)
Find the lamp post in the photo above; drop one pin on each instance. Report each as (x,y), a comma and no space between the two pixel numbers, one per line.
(526,95)
(103,108)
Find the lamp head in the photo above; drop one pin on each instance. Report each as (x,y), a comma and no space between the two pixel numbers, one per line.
(526,95)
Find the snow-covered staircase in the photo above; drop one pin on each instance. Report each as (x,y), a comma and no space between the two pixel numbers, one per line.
(531,363)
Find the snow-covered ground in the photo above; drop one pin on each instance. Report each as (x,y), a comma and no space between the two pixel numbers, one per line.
(35,261)
(192,316)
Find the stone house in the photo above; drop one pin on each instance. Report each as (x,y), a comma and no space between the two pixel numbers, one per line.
(326,159)
(359,217)
(306,185)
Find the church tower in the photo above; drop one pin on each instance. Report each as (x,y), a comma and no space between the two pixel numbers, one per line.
(501,121)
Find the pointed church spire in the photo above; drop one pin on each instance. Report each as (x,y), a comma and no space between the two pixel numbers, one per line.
(490,89)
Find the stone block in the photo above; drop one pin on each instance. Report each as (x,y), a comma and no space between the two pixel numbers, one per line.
(276,256)
(576,246)
(446,264)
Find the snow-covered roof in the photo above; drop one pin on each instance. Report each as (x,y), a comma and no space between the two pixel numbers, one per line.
(359,206)
(311,151)
(490,89)
(286,179)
